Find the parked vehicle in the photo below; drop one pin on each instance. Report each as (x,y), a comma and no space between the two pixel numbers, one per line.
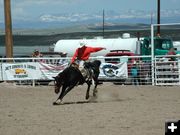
(116,53)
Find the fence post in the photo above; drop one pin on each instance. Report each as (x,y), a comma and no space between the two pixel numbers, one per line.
(33,81)
(178,65)
(155,71)
(1,71)
(152,52)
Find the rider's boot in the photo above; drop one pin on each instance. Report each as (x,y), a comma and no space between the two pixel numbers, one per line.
(83,76)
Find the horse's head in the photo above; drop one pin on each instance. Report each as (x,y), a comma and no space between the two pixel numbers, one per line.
(57,84)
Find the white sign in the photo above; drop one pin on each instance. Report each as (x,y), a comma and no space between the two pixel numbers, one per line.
(20,71)
(30,71)
(113,71)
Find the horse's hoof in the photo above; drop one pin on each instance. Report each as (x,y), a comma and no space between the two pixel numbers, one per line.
(54,103)
(95,93)
(57,103)
(87,97)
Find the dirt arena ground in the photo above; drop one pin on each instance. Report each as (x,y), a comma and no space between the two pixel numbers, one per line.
(118,110)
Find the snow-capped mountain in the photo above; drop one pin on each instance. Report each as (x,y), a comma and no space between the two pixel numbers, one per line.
(111,18)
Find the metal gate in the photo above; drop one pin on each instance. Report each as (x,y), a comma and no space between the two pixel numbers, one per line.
(167,72)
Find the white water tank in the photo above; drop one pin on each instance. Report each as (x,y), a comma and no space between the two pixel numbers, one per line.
(69,46)
(126,35)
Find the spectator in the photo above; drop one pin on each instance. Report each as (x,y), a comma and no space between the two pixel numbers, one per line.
(171,52)
(62,59)
(36,53)
(134,74)
(172,61)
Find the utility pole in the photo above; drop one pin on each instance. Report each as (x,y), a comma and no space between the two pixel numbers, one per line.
(8,29)
(151,18)
(103,23)
(158,17)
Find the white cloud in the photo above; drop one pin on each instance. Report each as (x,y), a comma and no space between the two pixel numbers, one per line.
(64,18)
(51,18)
(130,14)
(35,8)
(60,10)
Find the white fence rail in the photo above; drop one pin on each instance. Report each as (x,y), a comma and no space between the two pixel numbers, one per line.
(128,70)
(167,71)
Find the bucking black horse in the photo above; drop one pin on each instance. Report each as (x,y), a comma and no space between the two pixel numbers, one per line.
(71,77)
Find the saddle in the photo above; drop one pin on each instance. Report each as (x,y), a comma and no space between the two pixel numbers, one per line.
(85,71)
(75,65)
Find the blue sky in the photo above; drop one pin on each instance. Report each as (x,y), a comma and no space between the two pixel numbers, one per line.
(58,10)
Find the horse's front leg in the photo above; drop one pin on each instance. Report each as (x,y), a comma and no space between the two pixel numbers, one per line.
(87,92)
(59,99)
(67,90)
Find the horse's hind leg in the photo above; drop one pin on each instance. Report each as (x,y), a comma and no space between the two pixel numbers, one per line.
(87,92)
(95,91)
(95,87)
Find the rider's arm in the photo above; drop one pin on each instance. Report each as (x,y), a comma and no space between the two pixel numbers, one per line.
(95,49)
(74,56)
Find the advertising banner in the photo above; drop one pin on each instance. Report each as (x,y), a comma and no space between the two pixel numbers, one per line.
(31,70)
(20,71)
(113,71)
(44,71)
(48,70)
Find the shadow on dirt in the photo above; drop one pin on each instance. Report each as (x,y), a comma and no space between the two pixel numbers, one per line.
(92,100)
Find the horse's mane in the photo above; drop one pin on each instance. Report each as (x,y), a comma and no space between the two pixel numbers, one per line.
(96,63)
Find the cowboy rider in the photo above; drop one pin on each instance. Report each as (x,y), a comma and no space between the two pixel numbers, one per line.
(82,54)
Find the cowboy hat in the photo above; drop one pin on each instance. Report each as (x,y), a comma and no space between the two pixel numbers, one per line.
(81,44)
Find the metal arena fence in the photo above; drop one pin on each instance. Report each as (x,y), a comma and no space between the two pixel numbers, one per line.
(167,70)
(126,70)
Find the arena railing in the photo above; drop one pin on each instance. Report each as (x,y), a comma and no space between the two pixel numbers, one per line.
(167,71)
(113,69)
(141,63)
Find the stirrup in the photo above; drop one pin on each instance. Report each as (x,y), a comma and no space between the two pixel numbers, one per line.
(75,65)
